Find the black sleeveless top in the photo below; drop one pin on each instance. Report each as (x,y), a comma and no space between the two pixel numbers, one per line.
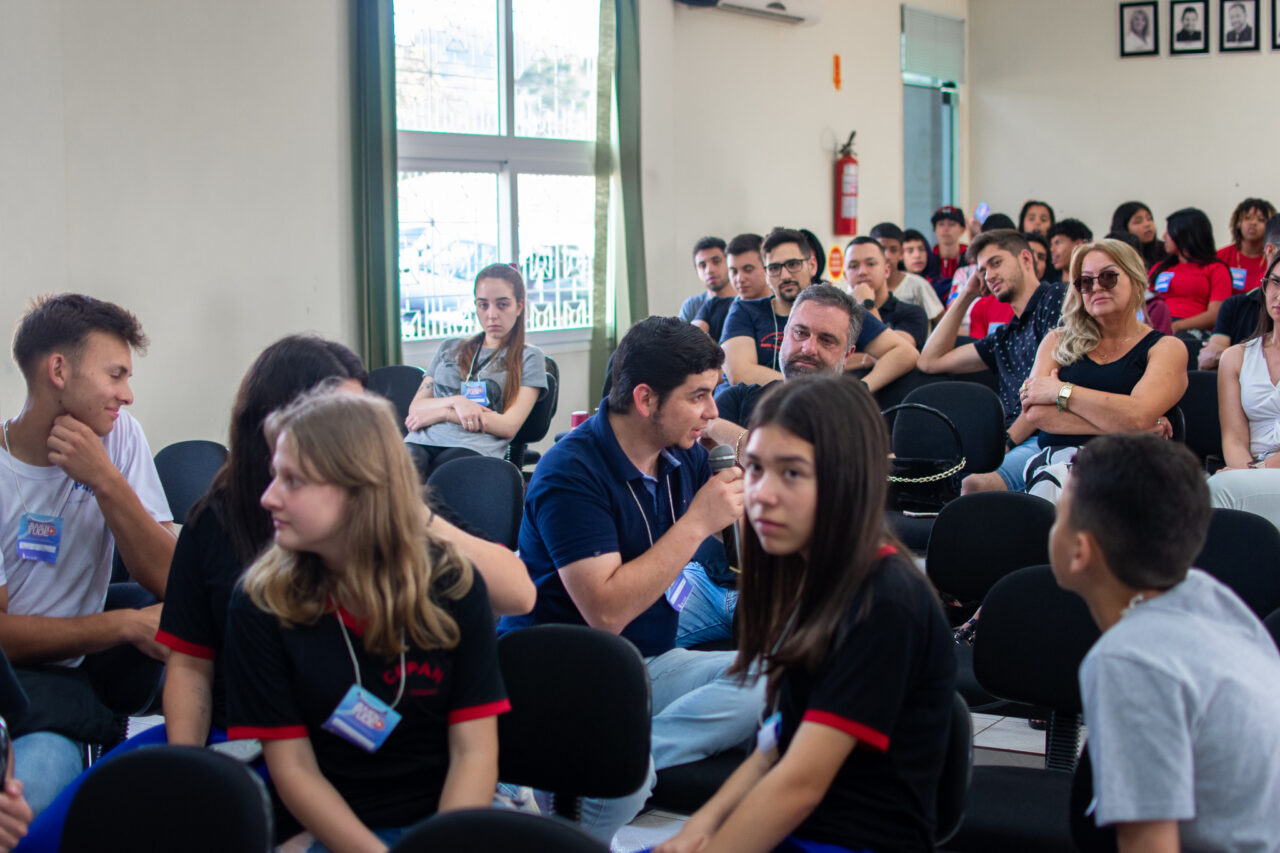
(1117,377)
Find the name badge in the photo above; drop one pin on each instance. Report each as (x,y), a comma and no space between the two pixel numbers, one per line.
(678,593)
(475,392)
(362,719)
(991,328)
(767,737)
(39,537)
(1238,277)
(1162,282)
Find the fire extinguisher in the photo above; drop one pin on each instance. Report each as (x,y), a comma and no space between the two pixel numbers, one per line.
(846,218)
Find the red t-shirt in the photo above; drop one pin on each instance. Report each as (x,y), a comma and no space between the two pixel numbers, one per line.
(950,265)
(1253,268)
(1189,288)
(986,312)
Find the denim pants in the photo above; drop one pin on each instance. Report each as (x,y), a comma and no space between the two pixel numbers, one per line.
(707,613)
(697,711)
(1011,470)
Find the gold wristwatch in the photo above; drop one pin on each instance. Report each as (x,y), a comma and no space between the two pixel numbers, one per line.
(1064,394)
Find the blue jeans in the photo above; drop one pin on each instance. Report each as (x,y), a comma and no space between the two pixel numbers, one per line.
(697,711)
(45,763)
(1012,469)
(708,612)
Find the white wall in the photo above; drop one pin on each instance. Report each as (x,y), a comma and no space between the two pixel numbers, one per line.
(191,161)
(742,120)
(1056,114)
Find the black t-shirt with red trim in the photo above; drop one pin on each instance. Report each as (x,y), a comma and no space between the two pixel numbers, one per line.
(284,682)
(887,681)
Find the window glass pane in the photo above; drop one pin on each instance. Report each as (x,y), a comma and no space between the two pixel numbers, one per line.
(447,65)
(555,67)
(448,233)
(556,229)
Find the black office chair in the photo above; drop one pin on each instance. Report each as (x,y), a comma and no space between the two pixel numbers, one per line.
(579,720)
(165,798)
(1199,407)
(1243,551)
(1273,625)
(485,492)
(535,426)
(957,772)
(495,829)
(186,470)
(1028,649)
(398,383)
(1087,835)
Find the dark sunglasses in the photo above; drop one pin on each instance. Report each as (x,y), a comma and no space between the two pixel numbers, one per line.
(1107,279)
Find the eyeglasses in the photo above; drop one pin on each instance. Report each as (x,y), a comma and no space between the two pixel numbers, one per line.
(793,265)
(1270,281)
(1107,279)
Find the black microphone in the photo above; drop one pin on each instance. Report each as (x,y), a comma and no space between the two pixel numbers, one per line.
(722,459)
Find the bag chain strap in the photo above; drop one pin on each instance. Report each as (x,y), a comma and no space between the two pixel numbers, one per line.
(932,478)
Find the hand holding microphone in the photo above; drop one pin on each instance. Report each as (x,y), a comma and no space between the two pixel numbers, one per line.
(727,474)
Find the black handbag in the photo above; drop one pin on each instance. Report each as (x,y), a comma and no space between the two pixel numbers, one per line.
(925,485)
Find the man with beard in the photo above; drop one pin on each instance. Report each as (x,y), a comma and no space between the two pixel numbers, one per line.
(1006,269)
(753,330)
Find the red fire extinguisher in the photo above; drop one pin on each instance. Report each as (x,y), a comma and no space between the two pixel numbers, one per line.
(846,218)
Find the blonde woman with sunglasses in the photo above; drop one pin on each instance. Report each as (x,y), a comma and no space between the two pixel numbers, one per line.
(1103,370)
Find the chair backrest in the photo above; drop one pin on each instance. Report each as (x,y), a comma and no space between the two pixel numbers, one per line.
(1243,551)
(977,413)
(1200,409)
(579,719)
(496,829)
(1031,638)
(186,469)
(486,492)
(536,425)
(1087,835)
(978,539)
(957,770)
(165,798)
(398,383)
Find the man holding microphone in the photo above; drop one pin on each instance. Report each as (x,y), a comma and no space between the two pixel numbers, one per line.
(614,514)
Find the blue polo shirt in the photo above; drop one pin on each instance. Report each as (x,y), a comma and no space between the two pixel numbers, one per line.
(755,319)
(586,499)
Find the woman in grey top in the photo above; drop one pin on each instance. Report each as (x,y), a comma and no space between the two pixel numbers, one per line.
(478,390)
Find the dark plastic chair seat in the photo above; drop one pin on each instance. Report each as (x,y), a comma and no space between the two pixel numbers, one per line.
(486,492)
(398,383)
(166,798)
(186,469)
(538,422)
(495,829)
(1243,551)
(686,787)
(1016,810)
(979,538)
(1199,407)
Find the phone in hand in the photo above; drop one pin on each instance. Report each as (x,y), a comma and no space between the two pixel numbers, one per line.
(6,753)
(982,211)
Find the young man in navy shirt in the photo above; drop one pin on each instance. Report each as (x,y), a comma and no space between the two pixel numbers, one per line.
(614,513)
(752,333)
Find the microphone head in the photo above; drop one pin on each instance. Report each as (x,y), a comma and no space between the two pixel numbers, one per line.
(721,458)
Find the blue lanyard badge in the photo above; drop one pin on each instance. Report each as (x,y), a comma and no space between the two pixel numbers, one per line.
(1238,278)
(362,719)
(1162,282)
(475,391)
(678,593)
(39,537)
(770,731)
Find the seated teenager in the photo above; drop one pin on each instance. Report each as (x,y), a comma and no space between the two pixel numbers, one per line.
(1179,693)
(1036,217)
(1192,280)
(360,648)
(1249,411)
(478,391)
(867,272)
(858,657)
(1244,255)
(1104,371)
(906,286)
(1239,313)
(1134,217)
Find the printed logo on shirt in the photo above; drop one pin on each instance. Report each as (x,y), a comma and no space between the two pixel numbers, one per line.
(421,678)
(773,340)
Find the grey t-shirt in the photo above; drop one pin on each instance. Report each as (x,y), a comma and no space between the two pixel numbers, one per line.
(448,376)
(1182,699)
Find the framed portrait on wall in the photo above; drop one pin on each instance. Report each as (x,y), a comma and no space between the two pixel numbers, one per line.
(1140,29)
(1238,25)
(1275,27)
(1188,26)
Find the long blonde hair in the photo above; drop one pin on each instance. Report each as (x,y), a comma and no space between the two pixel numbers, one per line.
(395,573)
(1080,333)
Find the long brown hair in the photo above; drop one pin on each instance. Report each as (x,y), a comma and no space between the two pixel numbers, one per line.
(513,361)
(1265,323)
(395,573)
(791,610)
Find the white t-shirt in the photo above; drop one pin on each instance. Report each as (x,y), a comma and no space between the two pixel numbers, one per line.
(75,585)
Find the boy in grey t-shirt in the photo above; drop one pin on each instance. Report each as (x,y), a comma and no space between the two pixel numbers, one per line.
(1182,691)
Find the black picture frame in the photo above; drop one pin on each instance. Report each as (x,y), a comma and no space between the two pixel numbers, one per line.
(1184,38)
(1233,39)
(1130,43)
(1275,27)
